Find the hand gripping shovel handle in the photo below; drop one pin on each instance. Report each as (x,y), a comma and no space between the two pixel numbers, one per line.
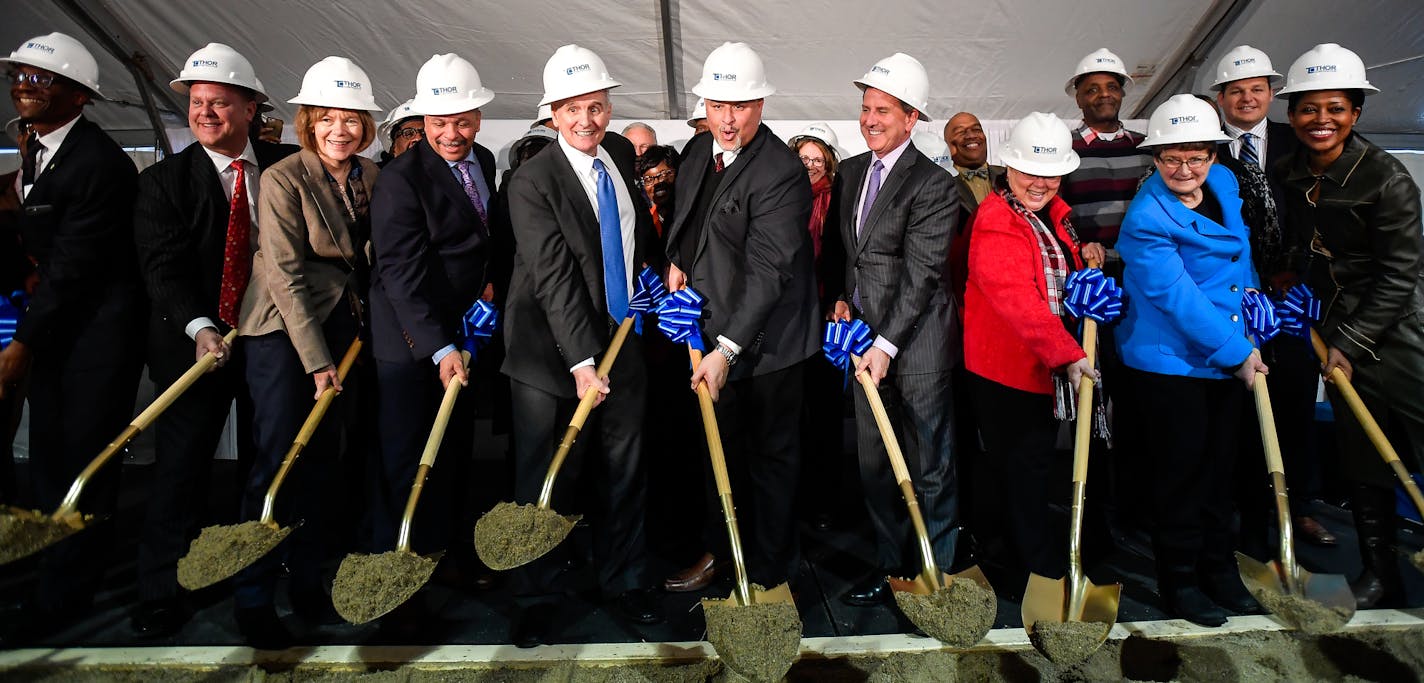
(1367,421)
(140,423)
(930,571)
(1276,468)
(724,483)
(585,408)
(427,457)
(304,435)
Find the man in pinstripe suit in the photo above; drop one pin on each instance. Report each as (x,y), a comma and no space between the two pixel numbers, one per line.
(896,211)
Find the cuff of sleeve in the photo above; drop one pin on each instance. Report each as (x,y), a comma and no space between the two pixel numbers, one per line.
(586,363)
(735,347)
(197,325)
(1354,344)
(1231,354)
(884,345)
(442,353)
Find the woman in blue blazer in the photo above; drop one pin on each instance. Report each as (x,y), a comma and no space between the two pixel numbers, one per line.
(1188,263)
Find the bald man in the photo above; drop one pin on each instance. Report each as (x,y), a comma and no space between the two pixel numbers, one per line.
(970,151)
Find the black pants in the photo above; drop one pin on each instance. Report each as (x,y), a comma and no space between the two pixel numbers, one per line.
(185,438)
(1193,423)
(282,396)
(758,418)
(611,447)
(1019,433)
(825,470)
(921,408)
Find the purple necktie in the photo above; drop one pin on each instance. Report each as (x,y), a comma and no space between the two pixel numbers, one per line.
(870,193)
(471,191)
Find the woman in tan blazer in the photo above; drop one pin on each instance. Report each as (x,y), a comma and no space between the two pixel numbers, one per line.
(301,311)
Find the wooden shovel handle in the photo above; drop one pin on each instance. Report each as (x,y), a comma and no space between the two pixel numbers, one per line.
(322,404)
(1083,431)
(442,417)
(1267,418)
(724,483)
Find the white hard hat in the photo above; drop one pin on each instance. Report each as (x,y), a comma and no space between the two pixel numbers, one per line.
(218,63)
(543,113)
(1040,144)
(1327,67)
(338,83)
(1183,118)
(60,54)
(819,131)
(902,77)
(394,119)
(934,147)
(1242,62)
(699,112)
(572,71)
(1101,60)
(449,84)
(733,73)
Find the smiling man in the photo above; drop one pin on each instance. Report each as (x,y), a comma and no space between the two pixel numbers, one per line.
(739,238)
(897,210)
(969,149)
(84,326)
(430,236)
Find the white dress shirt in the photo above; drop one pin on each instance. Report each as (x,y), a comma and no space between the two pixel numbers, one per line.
(49,144)
(1258,140)
(227,175)
(888,160)
(627,216)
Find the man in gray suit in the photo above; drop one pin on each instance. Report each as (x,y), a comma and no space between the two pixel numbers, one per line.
(896,211)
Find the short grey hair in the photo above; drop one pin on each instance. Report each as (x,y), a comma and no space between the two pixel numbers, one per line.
(639,125)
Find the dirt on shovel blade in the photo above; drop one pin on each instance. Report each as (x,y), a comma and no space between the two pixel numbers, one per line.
(1418,560)
(23,533)
(368,586)
(1068,642)
(759,642)
(958,616)
(512,535)
(1302,614)
(221,551)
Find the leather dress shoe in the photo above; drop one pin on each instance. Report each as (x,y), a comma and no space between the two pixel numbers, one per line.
(159,618)
(640,605)
(533,625)
(1314,532)
(1192,604)
(693,578)
(870,592)
(262,628)
(1226,589)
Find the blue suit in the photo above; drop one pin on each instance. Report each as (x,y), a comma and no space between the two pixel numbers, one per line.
(1184,280)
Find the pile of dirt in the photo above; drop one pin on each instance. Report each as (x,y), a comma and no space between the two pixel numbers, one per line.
(368,586)
(511,535)
(760,641)
(221,551)
(957,616)
(25,532)
(1302,614)
(1068,642)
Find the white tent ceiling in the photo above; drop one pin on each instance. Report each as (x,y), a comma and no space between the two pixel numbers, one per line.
(997,58)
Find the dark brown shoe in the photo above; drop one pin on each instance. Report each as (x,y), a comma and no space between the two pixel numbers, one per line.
(693,578)
(1314,532)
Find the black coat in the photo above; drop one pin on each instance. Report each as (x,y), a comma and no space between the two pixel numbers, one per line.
(753,259)
(557,312)
(430,254)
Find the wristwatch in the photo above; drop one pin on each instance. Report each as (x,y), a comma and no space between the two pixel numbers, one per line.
(727,353)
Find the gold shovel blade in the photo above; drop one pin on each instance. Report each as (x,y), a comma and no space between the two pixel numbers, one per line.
(921,586)
(1327,603)
(368,587)
(1046,599)
(26,532)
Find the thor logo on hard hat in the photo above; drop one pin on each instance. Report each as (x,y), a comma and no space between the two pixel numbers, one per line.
(354,85)
(205,62)
(1323,68)
(39,46)
(576,69)
(1044,150)
(724,77)
(880,69)
(1248,60)
(445,90)
(1178,120)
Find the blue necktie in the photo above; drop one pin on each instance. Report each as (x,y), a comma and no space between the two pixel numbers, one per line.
(871,192)
(1248,150)
(615,272)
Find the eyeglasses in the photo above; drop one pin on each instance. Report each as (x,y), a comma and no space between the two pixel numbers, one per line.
(1173,163)
(654,179)
(36,79)
(409,133)
(813,162)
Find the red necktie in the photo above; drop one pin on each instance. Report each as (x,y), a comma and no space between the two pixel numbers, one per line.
(718,159)
(237,261)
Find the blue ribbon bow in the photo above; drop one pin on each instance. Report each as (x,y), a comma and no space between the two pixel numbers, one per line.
(476,326)
(1262,323)
(12,309)
(679,315)
(648,292)
(845,339)
(1090,294)
(1298,310)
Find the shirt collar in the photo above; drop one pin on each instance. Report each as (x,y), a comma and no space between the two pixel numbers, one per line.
(1089,135)
(1258,130)
(55,138)
(729,156)
(222,161)
(892,156)
(469,156)
(583,163)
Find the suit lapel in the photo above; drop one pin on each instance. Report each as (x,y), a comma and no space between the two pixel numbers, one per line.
(332,214)
(690,175)
(76,139)
(729,176)
(586,236)
(212,202)
(444,180)
(888,187)
(853,175)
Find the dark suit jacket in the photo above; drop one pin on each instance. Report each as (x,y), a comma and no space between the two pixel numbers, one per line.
(1281,142)
(1278,262)
(753,260)
(900,261)
(557,312)
(430,252)
(77,225)
(967,202)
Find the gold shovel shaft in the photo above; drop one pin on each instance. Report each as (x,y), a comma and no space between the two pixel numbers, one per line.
(724,483)
(427,457)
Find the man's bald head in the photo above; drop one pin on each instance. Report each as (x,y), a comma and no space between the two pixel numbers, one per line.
(965,137)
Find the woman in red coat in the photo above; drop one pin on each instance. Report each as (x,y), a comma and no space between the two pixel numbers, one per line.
(1022,358)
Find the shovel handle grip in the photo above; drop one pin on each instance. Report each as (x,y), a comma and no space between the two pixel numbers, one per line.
(442,417)
(1267,419)
(585,408)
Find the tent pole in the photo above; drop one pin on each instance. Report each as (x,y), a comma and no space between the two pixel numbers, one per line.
(1214,26)
(675,107)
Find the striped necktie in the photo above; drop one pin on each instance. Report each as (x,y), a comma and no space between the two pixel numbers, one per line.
(1248,150)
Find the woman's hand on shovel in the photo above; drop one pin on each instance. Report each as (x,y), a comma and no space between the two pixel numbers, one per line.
(326,377)
(1246,372)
